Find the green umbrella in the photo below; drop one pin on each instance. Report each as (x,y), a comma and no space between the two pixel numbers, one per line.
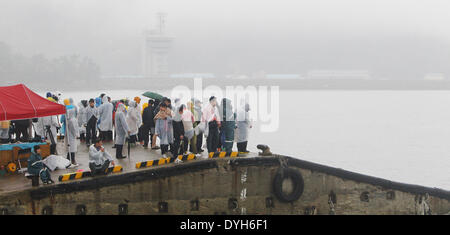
(153,95)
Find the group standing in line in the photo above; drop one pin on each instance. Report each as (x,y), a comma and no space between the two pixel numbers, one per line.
(180,128)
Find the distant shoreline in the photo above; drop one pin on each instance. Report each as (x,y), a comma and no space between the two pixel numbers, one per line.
(283,84)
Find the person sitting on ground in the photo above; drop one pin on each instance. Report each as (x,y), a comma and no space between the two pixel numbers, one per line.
(36,167)
(99,159)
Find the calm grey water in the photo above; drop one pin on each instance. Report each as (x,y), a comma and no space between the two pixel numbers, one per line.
(398,135)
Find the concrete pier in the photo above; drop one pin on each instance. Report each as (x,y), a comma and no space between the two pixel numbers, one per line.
(246,184)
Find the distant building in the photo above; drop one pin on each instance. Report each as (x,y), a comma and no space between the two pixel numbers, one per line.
(284,76)
(156,50)
(236,76)
(193,75)
(120,77)
(434,77)
(338,74)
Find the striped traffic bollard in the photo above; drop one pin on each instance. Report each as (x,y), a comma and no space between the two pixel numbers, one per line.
(185,157)
(84,174)
(157,162)
(223,154)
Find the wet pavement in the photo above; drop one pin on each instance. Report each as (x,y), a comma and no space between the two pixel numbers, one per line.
(18,182)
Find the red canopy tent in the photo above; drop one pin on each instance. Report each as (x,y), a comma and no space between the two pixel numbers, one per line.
(18,102)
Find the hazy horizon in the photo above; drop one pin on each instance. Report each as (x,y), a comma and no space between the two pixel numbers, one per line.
(393,39)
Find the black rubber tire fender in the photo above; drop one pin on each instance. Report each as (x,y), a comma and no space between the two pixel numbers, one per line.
(297,181)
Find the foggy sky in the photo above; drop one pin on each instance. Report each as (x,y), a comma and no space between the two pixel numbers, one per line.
(226,36)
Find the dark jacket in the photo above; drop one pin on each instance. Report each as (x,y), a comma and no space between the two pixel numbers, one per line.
(21,123)
(147,117)
(36,168)
(178,129)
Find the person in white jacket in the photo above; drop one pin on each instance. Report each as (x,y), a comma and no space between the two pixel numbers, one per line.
(122,130)
(72,134)
(51,124)
(99,159)
(243,124)
(133,121)
(105,112)
(82,122)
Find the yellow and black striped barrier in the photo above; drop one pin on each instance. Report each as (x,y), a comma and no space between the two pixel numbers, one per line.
(185,157)
(163,161)
(223,154)
(157,162)
(84,174)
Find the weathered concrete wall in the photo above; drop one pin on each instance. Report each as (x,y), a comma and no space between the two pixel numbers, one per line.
(227,186)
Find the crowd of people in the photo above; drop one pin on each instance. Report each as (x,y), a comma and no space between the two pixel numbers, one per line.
(180,128)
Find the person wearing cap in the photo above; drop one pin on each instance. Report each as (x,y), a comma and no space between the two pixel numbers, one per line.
(139,137)
(63,117)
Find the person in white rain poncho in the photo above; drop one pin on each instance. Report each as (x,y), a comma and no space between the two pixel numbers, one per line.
(82,122)
(105,112)
(50,124)
(164,128)
(243,125)
(188,124)
(133,120)
(122,130)
(39,128)
(72,134)
(99,158)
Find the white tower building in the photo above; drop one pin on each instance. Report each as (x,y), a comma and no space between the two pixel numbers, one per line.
(157,46)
